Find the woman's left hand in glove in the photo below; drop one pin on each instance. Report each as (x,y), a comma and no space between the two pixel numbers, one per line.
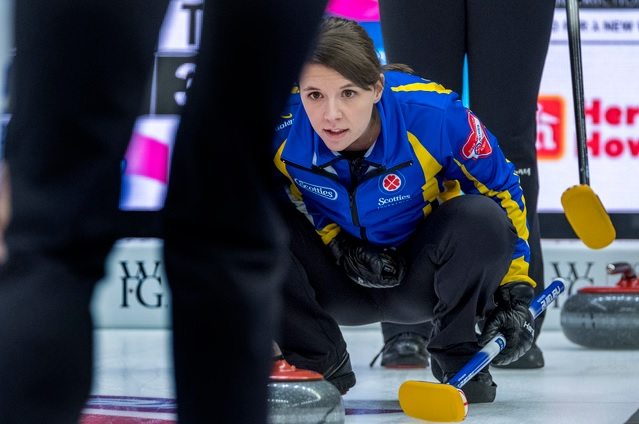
(367,265)
(372,267)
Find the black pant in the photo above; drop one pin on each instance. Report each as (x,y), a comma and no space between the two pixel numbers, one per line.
(80,72)
(456,259)
(506,44)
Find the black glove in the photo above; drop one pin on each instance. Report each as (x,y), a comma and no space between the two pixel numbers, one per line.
(367,265)
(513,319)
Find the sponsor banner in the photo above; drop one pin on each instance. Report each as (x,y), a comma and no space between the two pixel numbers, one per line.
(182,27)
(146,164)
(172,77)
(610,57)
(147,159)
(599,26)
(178,44)
(134,291)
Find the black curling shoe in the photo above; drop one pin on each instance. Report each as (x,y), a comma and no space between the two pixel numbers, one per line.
(480,389)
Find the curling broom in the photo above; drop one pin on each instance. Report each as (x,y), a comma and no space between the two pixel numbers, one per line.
(582,207)
(446,401)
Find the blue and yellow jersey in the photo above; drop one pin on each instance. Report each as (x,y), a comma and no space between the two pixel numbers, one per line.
(430,148)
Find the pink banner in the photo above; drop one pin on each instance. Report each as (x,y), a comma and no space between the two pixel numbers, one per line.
(147,157)
(358,10)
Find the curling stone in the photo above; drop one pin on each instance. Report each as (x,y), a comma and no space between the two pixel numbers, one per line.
(605,317)
(297,396)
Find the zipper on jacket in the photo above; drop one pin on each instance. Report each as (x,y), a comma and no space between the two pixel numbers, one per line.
(376,173)
(351,194)
(383,170)
(314,169)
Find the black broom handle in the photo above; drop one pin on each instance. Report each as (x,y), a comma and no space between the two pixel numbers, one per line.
(576,72)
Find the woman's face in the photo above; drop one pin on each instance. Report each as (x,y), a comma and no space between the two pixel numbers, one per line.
(339,111)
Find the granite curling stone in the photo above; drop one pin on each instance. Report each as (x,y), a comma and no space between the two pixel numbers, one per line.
(297,396)
(605,317)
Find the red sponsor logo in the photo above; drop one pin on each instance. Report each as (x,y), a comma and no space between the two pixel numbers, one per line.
(602,119)
(607,122)
(392,182)
(477,144)
(551,124)
(613,147)
(612,115)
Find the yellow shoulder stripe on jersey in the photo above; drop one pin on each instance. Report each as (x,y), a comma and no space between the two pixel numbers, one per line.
(422,86)
(329,232)
(518,272)
(452,189)
(281,166)
(515,214)
(430,168)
